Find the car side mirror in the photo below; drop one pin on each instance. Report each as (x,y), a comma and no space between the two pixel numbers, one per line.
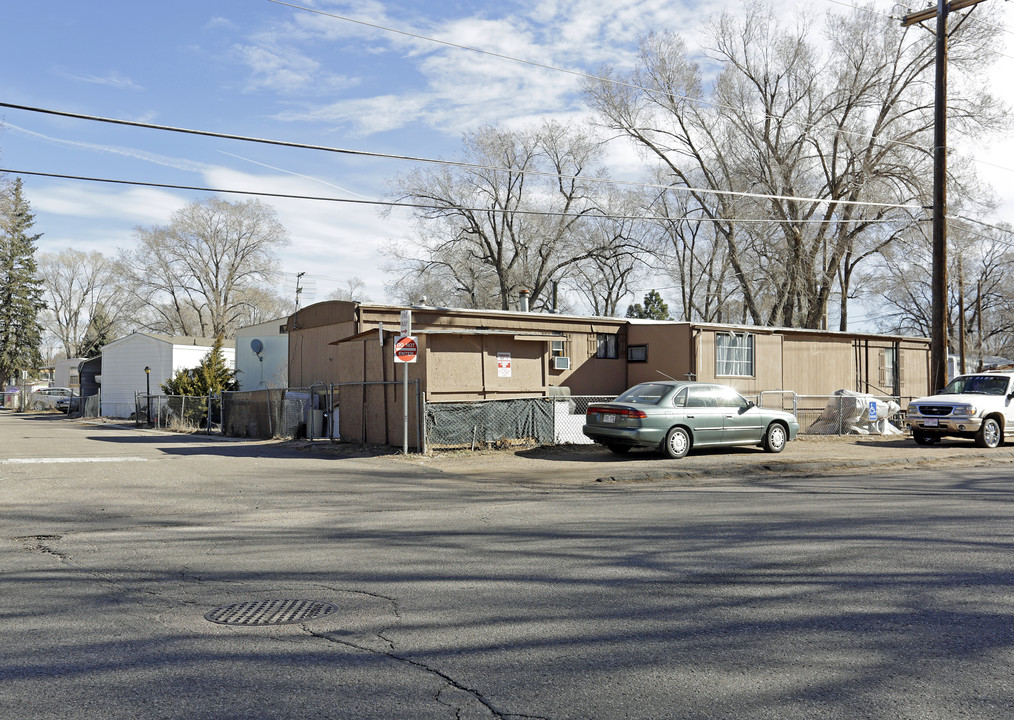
(749,404)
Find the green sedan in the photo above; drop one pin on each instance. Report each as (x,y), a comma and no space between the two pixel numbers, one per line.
(677,416)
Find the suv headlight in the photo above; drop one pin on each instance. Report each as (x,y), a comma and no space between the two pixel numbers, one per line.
(968,410)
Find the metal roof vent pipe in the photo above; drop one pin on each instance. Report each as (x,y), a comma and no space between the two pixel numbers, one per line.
(523,298)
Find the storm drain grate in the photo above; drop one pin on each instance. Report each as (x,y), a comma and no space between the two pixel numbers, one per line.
(270,612)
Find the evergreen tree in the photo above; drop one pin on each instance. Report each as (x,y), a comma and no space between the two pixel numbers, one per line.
(97,335)
(211,377)
(20,289)
(654,308)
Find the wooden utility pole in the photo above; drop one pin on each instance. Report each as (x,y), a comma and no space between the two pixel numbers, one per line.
(938,334)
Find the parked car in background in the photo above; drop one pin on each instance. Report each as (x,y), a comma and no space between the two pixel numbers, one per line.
(975,406)
(676,416)
(45,398)
(68,403)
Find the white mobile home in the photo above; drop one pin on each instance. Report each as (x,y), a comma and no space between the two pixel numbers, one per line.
(66,374)
(262,355)
(124,362)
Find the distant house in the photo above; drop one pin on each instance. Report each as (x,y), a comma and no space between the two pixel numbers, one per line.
(66,374)
(124,362)
(262,355)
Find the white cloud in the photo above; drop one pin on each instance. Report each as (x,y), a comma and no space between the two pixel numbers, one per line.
(330,239)
(137,205)
(284,70)
(157,159)
(114,79)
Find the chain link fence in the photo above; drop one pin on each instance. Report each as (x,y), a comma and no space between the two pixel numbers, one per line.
(179,413)
(313,412)
(558,420)
(275,413)
(508,423)
(843,413)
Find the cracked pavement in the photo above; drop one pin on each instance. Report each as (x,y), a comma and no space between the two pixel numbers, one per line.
(838,580)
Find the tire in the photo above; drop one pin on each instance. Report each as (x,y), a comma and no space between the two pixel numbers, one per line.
(922,438)
(775,438)
(619,449)
(676,443)
(990,433)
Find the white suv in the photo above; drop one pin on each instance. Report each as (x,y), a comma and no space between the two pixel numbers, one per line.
(977,405)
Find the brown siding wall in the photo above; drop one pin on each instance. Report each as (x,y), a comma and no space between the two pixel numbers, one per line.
(817,365)
(311,357)
(466,367)
(375,413)
(670,352)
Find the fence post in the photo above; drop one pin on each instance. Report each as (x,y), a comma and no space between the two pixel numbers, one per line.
(267,393)
(420,435)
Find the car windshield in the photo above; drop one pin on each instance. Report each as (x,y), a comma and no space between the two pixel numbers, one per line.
(646,394)
(976,385)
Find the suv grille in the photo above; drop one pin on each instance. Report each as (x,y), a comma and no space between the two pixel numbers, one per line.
(936,409)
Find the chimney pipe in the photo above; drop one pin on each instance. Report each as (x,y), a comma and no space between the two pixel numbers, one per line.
(524,300)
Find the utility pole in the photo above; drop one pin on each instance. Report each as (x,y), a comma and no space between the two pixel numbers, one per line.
(299,276)
(938,334)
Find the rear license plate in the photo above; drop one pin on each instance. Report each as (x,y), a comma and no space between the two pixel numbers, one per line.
(608,418)
(933,422)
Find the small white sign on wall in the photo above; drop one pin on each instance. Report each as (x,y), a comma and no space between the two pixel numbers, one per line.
(503,364)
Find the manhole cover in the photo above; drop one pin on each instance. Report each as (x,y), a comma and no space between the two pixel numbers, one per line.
(270,612)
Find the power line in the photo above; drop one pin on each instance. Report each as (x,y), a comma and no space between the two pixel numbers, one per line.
(593,213)
(598,78)
(453,163)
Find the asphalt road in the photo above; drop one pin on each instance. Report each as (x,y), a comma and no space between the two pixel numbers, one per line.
(528,585)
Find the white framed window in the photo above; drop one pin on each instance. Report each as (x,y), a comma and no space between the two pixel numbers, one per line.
(558,348)
(734,354)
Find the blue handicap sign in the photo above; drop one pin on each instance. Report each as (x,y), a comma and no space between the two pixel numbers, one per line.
(873,410)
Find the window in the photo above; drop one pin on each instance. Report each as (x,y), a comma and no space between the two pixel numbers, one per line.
(645,394)
(889,379)
(734,354)
(729,398)
(700,396)
(637,353)
(558,348)
(607,346)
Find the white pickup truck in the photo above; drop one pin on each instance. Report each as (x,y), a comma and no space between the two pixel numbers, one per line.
(979,406)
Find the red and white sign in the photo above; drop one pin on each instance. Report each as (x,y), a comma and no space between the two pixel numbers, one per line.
(503,364)
(406,349)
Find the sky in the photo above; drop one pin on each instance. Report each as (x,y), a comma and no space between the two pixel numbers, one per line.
(279,71)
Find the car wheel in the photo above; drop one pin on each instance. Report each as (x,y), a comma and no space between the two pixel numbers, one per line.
(989,434)
(619,449)
(775,438)
(676,443)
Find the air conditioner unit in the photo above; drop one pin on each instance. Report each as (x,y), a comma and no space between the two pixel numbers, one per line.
(561,363)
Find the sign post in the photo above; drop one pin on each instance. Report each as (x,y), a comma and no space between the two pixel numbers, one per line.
(406,349)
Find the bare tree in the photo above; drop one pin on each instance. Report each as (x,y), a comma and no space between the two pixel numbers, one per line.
(201,273)
(508,220)
(83,291)
(796,155)
(353,289)
(981,263)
